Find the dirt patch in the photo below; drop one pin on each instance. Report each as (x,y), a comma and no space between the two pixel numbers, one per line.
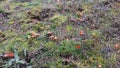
(42,15)
(3,19)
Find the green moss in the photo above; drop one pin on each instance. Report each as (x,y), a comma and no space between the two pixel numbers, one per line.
(1,10)
(58,20)
(10,22)
(50,44)
(59,7)
(88,56)
(40,27)
(14,43)
(69,28)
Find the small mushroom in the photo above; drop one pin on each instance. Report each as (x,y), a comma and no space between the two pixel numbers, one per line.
(8,55)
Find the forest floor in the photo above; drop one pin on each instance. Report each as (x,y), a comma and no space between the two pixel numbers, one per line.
(57,35)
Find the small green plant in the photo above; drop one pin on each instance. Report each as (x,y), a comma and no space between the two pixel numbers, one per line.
(58,20)
(15,62)
(1,10)
(59,7)
(69,28)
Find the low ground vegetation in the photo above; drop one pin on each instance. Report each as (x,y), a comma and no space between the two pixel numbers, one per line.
(59,35)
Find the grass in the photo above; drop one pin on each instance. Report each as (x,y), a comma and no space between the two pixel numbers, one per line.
(59,43)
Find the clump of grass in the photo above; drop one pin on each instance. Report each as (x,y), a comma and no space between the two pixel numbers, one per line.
(69,28)
(1,10)
(58,20)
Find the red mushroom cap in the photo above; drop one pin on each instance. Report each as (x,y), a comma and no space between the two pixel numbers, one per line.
(8,55)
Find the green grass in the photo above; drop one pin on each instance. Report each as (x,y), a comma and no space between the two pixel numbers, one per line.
(96,44)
